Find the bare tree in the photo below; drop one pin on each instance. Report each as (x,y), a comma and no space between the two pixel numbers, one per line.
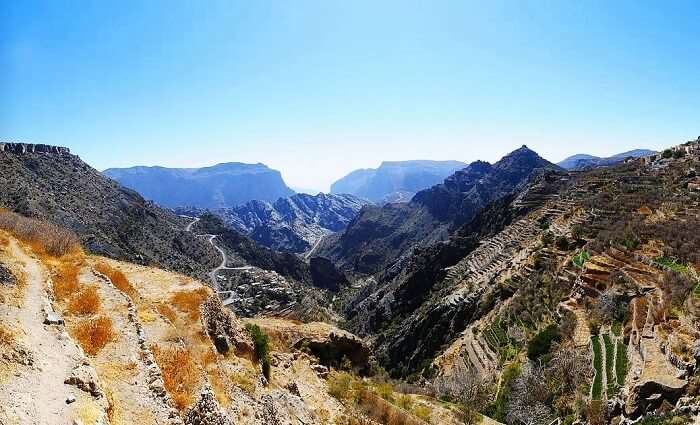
(464,385)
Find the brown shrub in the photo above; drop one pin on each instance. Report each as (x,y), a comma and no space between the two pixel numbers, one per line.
(117,278)
(43,237)
(65,280)
(4,241)
(7,337)
(179,372)
(94,334)
(86,302)
(166,312)
(189,301)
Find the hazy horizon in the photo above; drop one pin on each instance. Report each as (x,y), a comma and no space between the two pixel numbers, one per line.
(318,89)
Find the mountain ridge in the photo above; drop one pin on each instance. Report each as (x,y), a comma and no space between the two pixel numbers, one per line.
(381,183)
(378,235)
(226,184)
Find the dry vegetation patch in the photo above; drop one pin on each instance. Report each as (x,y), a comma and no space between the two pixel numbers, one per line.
(65,280)
(44,238)
(189,301)
(94,334)
(180,374)
(86,302)
(117,278)
(166,312)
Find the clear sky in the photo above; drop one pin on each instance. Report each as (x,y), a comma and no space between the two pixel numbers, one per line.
(319,88)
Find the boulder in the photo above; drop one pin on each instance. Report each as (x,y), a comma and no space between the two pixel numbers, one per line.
(650,395)
(85,378)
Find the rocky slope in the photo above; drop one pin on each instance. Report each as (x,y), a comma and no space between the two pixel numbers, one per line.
(49,182)
(89,340)
(295,223)
(395,181)
(582,161)
(222,185)
(379,235)
(575,298)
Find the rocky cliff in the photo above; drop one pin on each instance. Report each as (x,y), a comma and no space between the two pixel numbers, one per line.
(222,185)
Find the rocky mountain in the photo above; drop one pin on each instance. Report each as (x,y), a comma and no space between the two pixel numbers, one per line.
(295,223)
(222,185)
(395,181)
(581,161)
(243,251)
(50,183)
(592,276)
(379,235)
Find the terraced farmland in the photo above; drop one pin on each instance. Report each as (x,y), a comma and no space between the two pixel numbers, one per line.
(597,388)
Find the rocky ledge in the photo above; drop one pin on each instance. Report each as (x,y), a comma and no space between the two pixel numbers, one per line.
(32,148)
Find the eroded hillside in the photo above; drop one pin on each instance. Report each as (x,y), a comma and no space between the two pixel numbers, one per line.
(91,340)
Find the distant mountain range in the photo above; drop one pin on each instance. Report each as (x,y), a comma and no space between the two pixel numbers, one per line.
(582,160)
(395,181)
(292,224)
(219,186)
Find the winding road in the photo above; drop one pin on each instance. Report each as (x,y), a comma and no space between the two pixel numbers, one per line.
(224,260)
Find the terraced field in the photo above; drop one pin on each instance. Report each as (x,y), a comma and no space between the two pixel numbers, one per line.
(597,388)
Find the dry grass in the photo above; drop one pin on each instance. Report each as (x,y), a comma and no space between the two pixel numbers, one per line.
(86,302)
(94,334)
(117,278)
(7,337)
(189,301)
(179,372)
(44,238)
(166,312)
(65,280)
(4,240)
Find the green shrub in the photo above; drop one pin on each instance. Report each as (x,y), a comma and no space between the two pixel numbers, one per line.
(667,153)
(562,243)
(541,343)
(598,366)
(621,363)
(580,259)
(339,385)
(262,347)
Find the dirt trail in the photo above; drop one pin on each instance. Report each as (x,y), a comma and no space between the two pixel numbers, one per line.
(37,394)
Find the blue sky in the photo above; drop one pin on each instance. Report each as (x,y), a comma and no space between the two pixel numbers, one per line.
(317,89)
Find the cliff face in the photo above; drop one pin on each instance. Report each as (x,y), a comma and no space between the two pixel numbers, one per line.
(219,186)
(295,223)
(395,180)
(32,148)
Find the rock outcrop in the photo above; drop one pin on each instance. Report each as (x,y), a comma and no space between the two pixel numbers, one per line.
(20,148)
